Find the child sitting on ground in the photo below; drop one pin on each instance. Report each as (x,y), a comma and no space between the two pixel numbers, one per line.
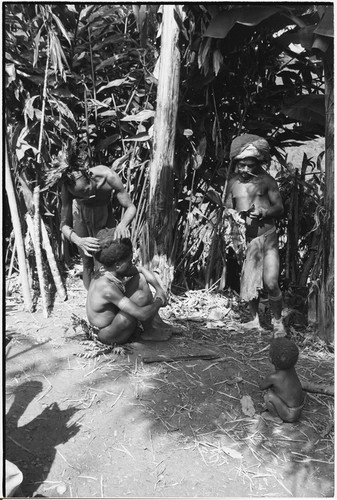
(284,397)
(119,295)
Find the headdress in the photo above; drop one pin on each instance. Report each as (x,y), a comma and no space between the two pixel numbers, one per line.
(250,146)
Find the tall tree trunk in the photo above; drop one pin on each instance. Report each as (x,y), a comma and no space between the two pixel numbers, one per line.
(161,197)
(326,297)
(38,254)
(18,235)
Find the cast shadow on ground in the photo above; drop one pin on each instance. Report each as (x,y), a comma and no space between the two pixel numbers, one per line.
(32,447)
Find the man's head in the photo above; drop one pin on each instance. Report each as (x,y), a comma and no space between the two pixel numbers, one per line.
(248,153)
(81,185)
(283,353)
(114,252)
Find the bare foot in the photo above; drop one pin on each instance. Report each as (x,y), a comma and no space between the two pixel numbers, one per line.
(159,323)
(156,334)
(254,324)
(266,415)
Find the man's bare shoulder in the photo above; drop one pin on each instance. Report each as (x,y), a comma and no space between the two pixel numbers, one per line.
(232,180)
(103,287)
(104,172)
(267,178)
(101,170)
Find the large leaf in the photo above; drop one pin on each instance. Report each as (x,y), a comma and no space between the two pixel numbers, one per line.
(114,83)
(221,25)
(306,108)
(139,117)
(325,26)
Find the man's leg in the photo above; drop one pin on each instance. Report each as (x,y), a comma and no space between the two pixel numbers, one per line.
(82,231)
(254,323)
(271,268)
(88,270)
(154,328)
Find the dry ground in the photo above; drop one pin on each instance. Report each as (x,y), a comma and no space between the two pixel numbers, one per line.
(113,426)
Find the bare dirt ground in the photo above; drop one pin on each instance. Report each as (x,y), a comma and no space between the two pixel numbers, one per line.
(114,426)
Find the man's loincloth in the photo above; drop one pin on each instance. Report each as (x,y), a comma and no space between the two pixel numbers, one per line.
(251,281)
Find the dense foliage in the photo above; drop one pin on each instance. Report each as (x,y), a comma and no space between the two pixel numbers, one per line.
(89,72)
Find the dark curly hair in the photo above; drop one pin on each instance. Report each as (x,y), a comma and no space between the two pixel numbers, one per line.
(71,163)
(112,251)
(283,353)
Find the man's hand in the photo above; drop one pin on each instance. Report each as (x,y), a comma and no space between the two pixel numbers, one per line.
(121,231)
(88,245)
(258,213)
(161,295)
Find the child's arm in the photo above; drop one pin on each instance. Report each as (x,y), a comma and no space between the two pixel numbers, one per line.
(267,382)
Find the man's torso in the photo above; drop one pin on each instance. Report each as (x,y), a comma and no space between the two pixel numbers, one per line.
(101,192)
(100,311)
(247,193)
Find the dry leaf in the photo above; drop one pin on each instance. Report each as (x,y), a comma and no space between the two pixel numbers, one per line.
(232,453)
(247,406)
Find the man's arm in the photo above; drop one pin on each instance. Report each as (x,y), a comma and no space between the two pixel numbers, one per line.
(125,201)
(229,202)
(88,245)
(66,212)
(153,281)
(142,313)
(275,211)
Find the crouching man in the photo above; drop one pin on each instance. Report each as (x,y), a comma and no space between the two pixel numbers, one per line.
(119,295)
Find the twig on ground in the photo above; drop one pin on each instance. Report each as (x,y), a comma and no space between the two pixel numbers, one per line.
(118,397)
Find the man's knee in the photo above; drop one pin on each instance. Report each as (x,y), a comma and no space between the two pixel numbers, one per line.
(272,288)
(141,298)
(118,332)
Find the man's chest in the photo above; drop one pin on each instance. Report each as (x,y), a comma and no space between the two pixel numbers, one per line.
(249,190)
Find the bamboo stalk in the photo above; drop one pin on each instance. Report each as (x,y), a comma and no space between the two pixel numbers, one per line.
(38,253)
(18,235)
(43,111)
(11,266)
(52,263)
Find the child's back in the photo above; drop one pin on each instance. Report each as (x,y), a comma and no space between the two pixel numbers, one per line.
(286,384)
(284,397)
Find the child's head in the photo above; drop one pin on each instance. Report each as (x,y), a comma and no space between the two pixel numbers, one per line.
(112,251)
(283,353)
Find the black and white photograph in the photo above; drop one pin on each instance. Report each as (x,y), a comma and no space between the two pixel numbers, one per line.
(168,250)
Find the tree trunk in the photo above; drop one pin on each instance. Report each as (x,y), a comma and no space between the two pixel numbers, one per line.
(326,297)
(38,254)
(18,236)
(161,196)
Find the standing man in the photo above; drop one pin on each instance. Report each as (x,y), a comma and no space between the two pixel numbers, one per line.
(87,207)
(255,195)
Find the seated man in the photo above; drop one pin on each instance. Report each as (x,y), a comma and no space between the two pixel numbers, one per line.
(115,303)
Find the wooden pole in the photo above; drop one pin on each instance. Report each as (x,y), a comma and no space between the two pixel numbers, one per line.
(161,196)
(18,235)
(326,330)
(38,253)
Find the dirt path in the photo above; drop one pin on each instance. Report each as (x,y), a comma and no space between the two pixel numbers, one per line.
(113,426)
